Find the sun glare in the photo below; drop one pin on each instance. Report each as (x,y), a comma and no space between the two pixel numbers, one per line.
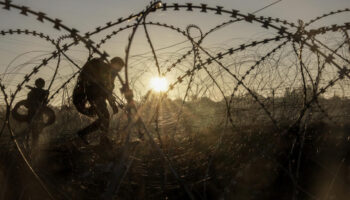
(159,84)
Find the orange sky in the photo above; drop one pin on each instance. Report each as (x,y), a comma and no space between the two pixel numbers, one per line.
(86,15)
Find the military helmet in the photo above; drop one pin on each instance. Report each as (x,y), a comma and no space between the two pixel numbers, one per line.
(117,63)
(40,83)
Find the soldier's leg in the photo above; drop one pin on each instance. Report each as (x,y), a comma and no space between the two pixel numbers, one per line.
(30,113)
(102,121)
(31,122)
(90,128)
(102,113)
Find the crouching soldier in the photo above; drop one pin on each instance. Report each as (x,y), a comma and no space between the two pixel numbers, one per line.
(95,86)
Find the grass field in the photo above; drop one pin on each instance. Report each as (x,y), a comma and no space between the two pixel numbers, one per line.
(215,159)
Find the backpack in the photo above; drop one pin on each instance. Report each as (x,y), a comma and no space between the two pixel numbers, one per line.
(80,99)
(87,74)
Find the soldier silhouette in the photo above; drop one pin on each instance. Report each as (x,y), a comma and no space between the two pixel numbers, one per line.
(36,99)
(94,86)
(36,105)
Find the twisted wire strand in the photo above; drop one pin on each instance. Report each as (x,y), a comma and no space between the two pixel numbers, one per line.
(295,37)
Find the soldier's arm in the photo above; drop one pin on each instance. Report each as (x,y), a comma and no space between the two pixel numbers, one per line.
(29,87)
(46,92)
(111,100)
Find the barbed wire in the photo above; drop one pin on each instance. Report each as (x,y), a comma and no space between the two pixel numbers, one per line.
(212,63)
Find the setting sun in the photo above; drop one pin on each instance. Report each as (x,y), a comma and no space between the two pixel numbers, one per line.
(159,84)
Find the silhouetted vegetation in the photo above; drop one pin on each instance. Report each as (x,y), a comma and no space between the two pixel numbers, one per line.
(254,160)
